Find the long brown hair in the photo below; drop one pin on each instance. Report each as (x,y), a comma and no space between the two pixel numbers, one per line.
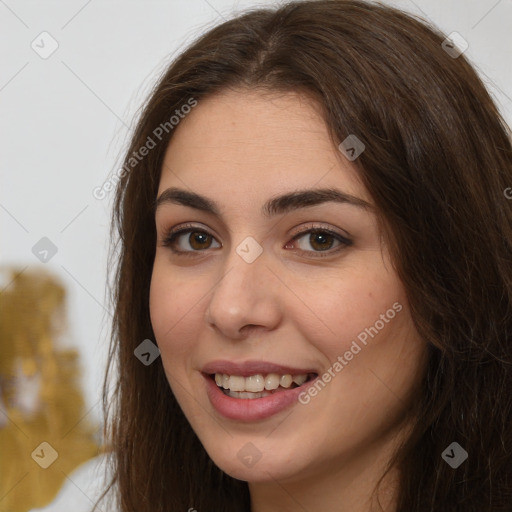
(438,159)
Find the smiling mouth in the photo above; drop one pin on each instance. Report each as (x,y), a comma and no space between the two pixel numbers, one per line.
(259,385)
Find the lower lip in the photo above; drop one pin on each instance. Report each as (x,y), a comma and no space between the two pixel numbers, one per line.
(252,409)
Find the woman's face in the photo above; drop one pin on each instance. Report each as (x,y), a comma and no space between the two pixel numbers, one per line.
(252,291)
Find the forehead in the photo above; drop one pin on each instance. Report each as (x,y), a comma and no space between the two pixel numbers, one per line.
(262,143)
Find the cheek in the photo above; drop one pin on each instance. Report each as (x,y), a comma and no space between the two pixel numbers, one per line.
(373,358)
(362,306)
(173,304)
(373,349)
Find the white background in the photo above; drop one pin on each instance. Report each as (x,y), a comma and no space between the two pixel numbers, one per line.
(65,120)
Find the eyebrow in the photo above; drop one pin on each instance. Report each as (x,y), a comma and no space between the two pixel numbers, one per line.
(275,206)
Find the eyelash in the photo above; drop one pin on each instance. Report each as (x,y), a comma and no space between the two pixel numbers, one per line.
(171,236)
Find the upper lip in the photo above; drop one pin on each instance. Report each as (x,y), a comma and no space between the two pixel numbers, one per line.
(252,367)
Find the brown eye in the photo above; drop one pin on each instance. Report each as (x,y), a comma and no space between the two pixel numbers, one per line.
(196,241)
(199,240)
(318,240)
(321,241)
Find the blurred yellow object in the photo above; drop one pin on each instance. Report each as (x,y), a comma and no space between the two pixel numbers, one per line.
(45,432)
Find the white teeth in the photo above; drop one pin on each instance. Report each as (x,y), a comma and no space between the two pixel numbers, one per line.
(300,379)
(247,394)
(257,384)
(286,381)
(237,383)
(272,381)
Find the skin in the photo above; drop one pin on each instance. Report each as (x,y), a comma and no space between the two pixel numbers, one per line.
(240,148)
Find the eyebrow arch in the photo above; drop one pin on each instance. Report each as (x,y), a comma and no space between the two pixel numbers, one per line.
(275,206)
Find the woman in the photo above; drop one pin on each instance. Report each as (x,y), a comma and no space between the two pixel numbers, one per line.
(313,296)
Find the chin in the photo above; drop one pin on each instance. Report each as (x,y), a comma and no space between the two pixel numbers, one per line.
(259,473)
(245,462)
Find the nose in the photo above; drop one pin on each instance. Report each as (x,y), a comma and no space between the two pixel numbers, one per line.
(245,299)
